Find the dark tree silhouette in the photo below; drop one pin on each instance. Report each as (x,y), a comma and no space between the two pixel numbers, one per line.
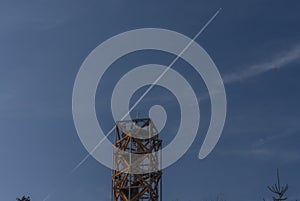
(24,198)
(220,197)
(278,190)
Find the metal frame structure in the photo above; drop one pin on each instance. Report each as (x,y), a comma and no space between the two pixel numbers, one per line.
(138,137)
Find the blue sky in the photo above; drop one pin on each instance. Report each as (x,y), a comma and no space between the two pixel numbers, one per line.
(255,45)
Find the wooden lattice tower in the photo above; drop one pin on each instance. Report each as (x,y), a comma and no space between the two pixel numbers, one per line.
(137,161)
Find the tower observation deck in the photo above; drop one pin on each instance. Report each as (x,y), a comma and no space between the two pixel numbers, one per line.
(137,174)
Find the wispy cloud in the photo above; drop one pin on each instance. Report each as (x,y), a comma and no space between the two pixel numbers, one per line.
(272,147)
(264,153)
(290,133)
(279,60)
(29,16)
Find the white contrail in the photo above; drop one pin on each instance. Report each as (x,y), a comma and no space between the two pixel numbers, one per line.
(144,94)
(150,87)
